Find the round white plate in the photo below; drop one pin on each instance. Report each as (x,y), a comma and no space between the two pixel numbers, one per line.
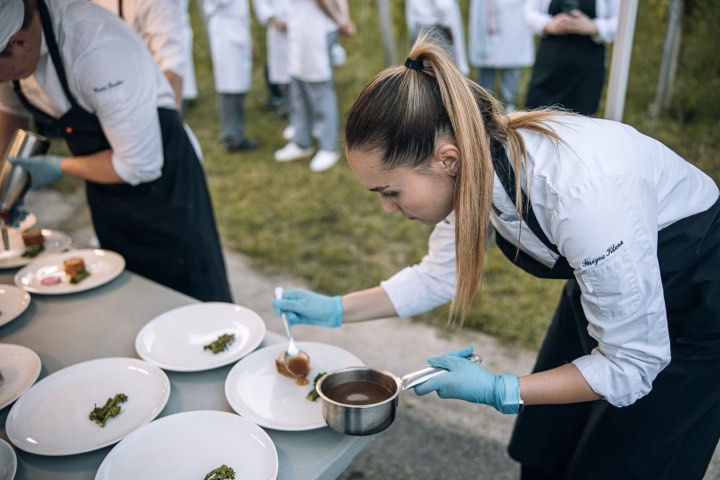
(175,339)
(51,418)
(103,265)
(20,367)
(190,445)
(8,461)
(255,389)
(55,242)
(13,302)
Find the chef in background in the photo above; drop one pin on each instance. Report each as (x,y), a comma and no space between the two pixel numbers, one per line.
(228,27)
(81,67)
(159,23)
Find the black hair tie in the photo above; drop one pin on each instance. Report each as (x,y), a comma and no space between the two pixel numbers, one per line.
(414,64)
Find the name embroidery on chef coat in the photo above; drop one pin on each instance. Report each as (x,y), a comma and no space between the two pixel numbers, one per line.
(108,86)
(591,262)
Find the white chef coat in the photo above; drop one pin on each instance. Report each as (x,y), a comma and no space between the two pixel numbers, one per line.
(498,37)
(159,24)
(228,27)
(112,75)
(606,18)
(189,86)
(277,41)
(440,12)
(309,51)
(600,197)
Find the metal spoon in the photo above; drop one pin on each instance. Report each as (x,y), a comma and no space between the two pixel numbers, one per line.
(300,366)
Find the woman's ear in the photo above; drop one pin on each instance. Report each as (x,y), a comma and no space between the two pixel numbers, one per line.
(447,158)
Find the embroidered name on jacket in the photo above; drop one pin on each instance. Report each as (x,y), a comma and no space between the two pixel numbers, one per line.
(108,86)
(590,262)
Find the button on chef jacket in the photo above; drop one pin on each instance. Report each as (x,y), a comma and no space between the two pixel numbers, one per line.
(601,197)
(120,85)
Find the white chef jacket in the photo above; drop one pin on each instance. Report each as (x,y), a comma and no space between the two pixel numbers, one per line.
(189,85)
(440,12)
(112,75)
(228,28)
(159,24)
(498,36)
(277,41)
(308,48)
(600,197)
(606,17)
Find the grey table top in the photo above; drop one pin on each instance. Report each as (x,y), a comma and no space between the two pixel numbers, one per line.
(104,322)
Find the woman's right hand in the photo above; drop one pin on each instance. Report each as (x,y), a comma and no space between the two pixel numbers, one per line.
(310,308)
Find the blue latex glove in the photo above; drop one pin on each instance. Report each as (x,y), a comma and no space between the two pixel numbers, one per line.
(302,306)
(43,169)
(466,380)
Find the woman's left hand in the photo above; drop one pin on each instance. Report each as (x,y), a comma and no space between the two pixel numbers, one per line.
(467,380)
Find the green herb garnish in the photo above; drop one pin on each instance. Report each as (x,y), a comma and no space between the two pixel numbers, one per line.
(223,472)
(313,394)
(100,415)
(222,343)
(34,251)
(79,276)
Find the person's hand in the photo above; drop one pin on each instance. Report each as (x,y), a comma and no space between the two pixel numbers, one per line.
(42,169)
(466,380)
(302,306)
(581,24)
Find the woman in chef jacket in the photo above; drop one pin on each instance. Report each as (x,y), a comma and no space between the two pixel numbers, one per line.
(82,68)
(627,382)
(228,28)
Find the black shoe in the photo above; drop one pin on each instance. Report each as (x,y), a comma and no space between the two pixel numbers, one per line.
(243,145)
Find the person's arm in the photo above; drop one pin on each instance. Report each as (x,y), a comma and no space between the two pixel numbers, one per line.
(369,304)
(176,83)
(96,167)
(338,11)
(563,384)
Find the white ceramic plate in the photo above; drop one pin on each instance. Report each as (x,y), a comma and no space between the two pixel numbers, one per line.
(55,242)
(20,367)
(8,461)
(259,393)
(190,445)
(175,339)
(51,418)
(13,302)
(103,265)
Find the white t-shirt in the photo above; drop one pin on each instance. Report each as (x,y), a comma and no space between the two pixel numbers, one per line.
(601,197)
(112,75)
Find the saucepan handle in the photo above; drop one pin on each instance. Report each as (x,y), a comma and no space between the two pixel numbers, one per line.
(420,376)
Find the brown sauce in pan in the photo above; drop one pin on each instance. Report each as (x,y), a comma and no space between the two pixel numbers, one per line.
(359,392)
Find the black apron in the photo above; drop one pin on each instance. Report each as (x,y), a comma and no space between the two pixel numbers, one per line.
(569,70)
(670,433)
(165,229)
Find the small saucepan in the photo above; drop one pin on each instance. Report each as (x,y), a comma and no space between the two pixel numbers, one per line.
(362,400)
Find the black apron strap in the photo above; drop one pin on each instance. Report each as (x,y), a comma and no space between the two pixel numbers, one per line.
(506,175)
(120,9)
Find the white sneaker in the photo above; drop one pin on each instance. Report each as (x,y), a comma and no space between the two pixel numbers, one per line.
(289,132)
(323,160)
(291,152)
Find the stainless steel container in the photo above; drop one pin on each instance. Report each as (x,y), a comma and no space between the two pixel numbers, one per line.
(372,417)
(14,179)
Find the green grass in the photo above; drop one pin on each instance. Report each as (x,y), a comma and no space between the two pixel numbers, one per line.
(326,229)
